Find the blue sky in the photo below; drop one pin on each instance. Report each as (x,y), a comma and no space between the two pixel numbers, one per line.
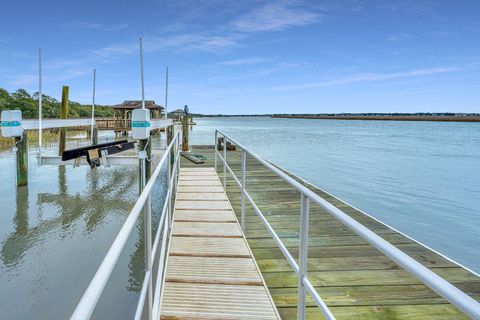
(234,57)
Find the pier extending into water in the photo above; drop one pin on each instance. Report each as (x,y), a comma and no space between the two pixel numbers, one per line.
(318,256)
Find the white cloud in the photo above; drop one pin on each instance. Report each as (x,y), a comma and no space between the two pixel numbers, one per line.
(242,62)
(399,37)
(24,80)
(369,77)
(180,42)
(96,26)
(275,16)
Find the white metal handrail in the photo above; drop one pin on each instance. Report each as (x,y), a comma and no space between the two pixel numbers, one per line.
(150,293)
(458,298)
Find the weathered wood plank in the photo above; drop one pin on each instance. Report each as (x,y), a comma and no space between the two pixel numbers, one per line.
(379,312)
(351,263)
(200,189)
(215,301)
(369,295)
(205,216)
(201,183)
(201,196)
(219,270)
(206,229)
(209,247)
(363,277)
(198,178)
(202,205)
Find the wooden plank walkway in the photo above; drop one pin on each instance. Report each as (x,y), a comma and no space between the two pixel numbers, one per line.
(355,280)
(210,273)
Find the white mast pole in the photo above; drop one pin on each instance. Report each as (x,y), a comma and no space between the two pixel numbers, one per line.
(166,92)
(40,94)
(141,66)
(93,106)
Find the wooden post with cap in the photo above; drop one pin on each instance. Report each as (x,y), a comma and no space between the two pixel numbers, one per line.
(63,115)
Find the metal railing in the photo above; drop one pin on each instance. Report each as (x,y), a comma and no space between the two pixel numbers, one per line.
(455,296)
(149,301)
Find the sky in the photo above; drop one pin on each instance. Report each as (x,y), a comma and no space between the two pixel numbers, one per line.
(250,57)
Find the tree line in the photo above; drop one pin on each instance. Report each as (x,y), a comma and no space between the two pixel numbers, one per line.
(28,104)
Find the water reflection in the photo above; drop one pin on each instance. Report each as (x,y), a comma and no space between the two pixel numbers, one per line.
(57,230)
(105,192)
(11,249)
(137,262)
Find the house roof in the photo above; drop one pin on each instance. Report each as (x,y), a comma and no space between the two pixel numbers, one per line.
(178,111)
(137,104)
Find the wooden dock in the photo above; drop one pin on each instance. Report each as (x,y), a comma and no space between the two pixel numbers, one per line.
(355,280)
(210,273)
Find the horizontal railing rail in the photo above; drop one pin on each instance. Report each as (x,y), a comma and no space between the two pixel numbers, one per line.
(149,300)
(455,296)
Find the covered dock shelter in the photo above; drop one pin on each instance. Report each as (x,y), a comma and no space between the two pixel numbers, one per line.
(122,118)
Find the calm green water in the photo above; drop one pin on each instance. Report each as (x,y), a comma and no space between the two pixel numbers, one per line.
(420,177)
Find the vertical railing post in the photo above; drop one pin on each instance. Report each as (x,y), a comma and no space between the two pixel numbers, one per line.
(177,172)
(244,178)
(303,256)
(215,149)
(225,163)
(169,185)
(147,226)
(142,157)
(147,209)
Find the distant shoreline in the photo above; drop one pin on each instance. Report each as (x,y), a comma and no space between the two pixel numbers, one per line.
(439,118)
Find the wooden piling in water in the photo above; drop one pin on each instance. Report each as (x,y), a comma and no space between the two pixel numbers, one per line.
(185,120)
(95,135)
(169,132)
(21,144)
(63,115)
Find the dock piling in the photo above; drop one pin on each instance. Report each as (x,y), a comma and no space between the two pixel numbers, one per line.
(95,135)
(185,120)
(63,115)
(21,146)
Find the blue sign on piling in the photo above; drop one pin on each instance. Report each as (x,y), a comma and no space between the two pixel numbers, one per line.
(140,124)
(9,124)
